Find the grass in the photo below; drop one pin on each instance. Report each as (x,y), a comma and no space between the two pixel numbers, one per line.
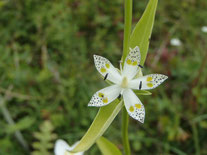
(47,73)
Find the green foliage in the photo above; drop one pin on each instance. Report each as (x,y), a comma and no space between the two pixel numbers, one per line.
(101,122)
(142,92)
(24,123)
(46,62)
(142,32)
(107,114)
(45,139)
(107,147)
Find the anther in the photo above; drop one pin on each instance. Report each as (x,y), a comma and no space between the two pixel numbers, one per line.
(140,85)
(105,77)
(119,96)
(120,64)
(140,66)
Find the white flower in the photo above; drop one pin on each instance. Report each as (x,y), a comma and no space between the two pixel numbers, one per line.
(62,148)
(175,42)
(124,81)
(204,29)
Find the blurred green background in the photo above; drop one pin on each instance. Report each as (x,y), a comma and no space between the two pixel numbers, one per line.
(47,74)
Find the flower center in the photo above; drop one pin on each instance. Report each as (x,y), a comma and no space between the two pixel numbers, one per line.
(124,83)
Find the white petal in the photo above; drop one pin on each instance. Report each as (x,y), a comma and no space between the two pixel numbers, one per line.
(106,69)
(62,148)
(105,96)
(147,82)
(133,105)
(131,63)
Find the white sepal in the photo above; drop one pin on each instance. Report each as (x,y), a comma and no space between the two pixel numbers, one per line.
(133,105)
(131,63)
(105,96)
(106,69)
(62,148)
(147,82)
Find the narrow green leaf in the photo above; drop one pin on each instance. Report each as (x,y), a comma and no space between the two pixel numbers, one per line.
(142,92)
(143,29)
(102,121)
(24,123)
(107,147)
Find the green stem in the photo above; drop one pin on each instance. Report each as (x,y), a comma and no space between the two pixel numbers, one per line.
(196,140)
(11,122)
(127,27)
(125,139)
(127,33)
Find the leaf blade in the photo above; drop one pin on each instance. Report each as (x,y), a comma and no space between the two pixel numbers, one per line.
(101,122)
(107,147)
(142,92)
(143,29)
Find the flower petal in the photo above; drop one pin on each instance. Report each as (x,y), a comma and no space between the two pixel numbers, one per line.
(133,105)
(105,96)
(62,148)
(131,63)
(106,69)
(147,82)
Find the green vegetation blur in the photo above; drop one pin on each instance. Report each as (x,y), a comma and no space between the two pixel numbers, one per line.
(47,74)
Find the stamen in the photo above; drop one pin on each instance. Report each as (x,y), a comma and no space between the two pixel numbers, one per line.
(105,77)
(120,63)
(140,66)
(119,96)
(140,85)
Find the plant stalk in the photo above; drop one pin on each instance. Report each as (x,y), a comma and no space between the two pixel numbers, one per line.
(125,139)
(196,139)
(10,121)
(127,33)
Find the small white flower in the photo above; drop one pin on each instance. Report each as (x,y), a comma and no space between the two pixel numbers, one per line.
(204,29)
(62,148)
(175,42)
(124,81)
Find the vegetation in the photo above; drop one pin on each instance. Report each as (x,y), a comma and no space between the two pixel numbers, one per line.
(47,75)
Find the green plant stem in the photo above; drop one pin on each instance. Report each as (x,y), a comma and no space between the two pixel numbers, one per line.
(10,121)
(125,139)
(127,33)
(196,140)
(127,27)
